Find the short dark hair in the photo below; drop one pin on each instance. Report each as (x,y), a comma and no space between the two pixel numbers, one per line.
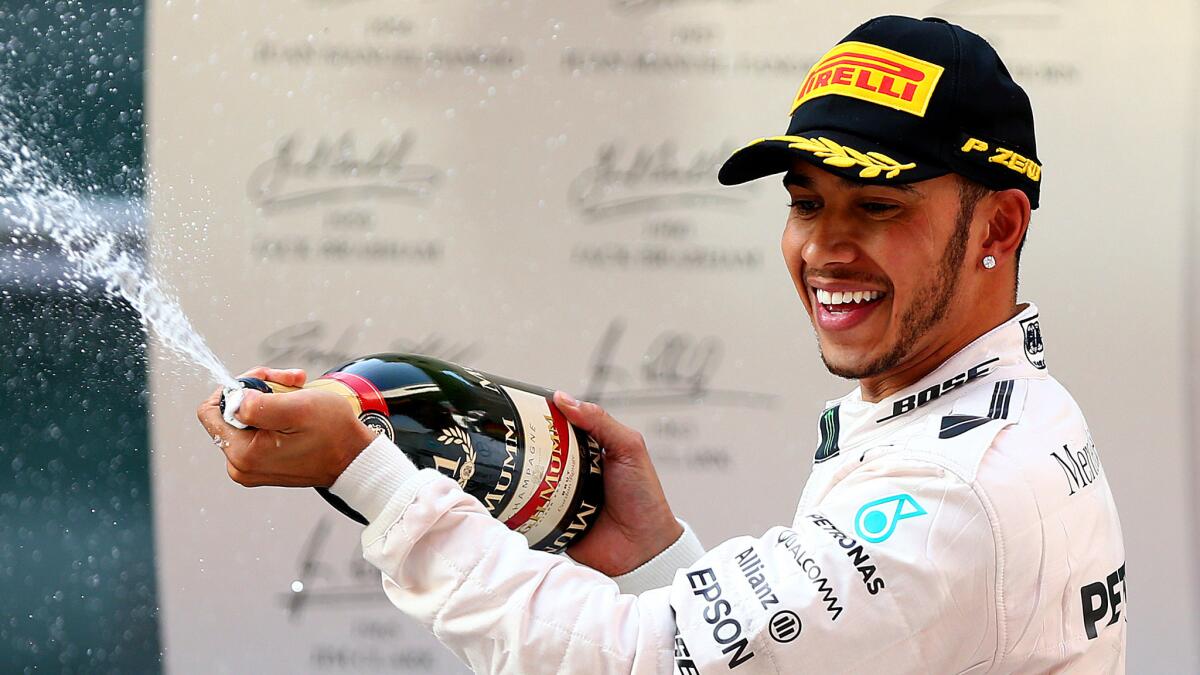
(969,195)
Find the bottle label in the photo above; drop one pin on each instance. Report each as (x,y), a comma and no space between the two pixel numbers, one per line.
(372,410)
(502,441)
(548,483)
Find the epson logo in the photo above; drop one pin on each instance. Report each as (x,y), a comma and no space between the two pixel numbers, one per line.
(726,631)
(913,401)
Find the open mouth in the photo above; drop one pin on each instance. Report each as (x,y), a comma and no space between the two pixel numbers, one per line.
(841,310)
(847,301)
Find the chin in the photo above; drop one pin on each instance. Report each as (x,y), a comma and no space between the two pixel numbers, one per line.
(848,366)
(857,364)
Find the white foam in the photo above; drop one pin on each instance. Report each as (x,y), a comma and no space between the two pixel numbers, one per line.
(234,396)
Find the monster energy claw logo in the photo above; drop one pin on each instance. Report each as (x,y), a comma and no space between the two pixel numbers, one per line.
(829,427)
(876,521)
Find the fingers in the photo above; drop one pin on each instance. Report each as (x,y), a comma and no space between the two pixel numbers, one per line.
(248,478)
(229,439)
(238,476)
(252,479)
(618,440)
(292,377)
(285,412)
(209,414)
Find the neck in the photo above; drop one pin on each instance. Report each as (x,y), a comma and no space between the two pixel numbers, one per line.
(927,359)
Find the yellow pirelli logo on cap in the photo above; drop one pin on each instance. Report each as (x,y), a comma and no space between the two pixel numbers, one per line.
(872,73)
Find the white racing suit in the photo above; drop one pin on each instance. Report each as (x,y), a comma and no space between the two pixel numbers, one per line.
(963,524)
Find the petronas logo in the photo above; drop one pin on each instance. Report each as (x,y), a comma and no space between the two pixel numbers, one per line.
(829,428)
(877,520)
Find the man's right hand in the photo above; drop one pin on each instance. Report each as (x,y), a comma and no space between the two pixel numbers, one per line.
(636,523)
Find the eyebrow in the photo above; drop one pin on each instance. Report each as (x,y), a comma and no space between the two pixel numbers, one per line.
(803,181)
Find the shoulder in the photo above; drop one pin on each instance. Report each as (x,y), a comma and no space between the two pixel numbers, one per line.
(1008,421)
(1007,448)
(1004,444)
(1020,447)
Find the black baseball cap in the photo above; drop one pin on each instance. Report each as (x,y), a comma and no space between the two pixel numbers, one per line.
(901,100)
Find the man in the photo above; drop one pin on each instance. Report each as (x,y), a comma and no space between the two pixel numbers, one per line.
(957,518)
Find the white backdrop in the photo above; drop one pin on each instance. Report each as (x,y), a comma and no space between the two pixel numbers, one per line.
(531,190)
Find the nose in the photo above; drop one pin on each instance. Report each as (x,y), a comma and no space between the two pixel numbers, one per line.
(828,242)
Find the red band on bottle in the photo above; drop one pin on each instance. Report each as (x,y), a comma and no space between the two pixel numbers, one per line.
(554,471)
(367,394)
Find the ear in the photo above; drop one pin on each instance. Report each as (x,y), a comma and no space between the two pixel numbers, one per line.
(1007,213)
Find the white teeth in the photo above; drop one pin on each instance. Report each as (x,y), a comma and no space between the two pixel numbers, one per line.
(846,297)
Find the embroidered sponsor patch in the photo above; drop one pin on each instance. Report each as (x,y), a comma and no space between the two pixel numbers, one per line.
(872,73)
(785,626)
(1035,350)
(1006,158)
(876,521)
(829,428)
(833,153)
(925,396)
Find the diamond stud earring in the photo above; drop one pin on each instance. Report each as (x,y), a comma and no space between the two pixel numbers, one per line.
(989,262)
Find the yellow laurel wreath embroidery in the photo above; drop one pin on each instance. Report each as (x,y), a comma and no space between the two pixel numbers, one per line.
(456,436)
(835,154)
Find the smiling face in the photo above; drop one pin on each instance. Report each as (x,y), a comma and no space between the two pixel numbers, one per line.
(880,270)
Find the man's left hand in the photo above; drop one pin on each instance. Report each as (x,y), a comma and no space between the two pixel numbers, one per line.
(304,438)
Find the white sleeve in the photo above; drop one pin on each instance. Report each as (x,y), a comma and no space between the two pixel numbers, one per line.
(894,570)
(499,606)
(660,570)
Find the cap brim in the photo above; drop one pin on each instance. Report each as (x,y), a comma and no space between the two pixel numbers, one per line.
(847,155)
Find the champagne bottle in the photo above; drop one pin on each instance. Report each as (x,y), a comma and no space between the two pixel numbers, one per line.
(504,442)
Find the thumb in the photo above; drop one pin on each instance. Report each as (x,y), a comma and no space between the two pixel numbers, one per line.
(618,440)
(274,412)
(292,377)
